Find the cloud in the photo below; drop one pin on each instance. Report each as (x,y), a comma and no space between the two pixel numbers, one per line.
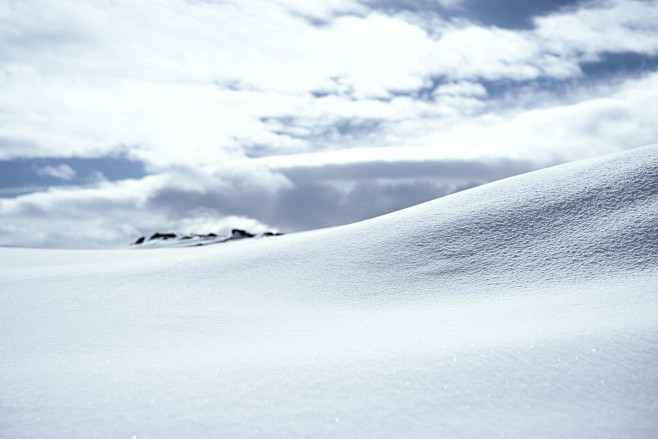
(611,118)
(297,114)
(117,214)
(109,214)
(599,28)
(64,172)
(194,82)
(185,200)
(443,170)
(315,205)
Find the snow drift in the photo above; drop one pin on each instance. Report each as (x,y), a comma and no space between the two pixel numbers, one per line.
(523,308)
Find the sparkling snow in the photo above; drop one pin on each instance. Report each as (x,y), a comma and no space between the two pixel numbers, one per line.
(523,308)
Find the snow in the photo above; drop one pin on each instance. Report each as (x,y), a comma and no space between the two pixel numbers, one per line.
(523,308)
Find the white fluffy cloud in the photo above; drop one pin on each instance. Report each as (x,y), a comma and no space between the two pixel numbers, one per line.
(64,172)
(176,81)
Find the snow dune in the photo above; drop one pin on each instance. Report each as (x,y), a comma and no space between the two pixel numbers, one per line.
(523,308)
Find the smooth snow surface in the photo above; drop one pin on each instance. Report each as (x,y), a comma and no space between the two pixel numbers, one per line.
(526,308)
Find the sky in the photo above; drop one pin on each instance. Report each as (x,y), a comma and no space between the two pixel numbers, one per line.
(122,118)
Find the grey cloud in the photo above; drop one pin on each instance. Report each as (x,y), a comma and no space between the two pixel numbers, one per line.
(176,202)
(378,188)
(70,207)
(305,206)
(299,127)
(31,209)
(331,195)
(317,131)
(315,205)
(443,170)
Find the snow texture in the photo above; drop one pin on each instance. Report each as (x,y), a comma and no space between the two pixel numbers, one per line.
(523,308)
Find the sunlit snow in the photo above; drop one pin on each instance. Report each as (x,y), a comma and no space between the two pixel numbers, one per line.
(524,308)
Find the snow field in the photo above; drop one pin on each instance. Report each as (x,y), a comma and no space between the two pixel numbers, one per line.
(523,308)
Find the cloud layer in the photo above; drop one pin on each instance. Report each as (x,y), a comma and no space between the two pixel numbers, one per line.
(294,114)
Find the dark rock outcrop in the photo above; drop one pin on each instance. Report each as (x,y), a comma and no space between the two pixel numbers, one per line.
(200,235)
(199,239)
(240,234)
(158,235)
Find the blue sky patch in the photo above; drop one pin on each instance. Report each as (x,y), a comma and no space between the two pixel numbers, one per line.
(21,176)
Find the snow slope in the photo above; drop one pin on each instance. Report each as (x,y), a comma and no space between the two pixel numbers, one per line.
(523,308)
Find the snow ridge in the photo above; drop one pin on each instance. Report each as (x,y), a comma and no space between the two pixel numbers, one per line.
(578,222)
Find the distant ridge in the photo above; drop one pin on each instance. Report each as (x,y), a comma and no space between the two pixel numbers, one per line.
(196,239)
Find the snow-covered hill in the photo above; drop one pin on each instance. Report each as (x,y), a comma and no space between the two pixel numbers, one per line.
(523,308)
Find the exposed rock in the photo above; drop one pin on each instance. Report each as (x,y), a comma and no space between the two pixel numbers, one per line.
(158,235)
(200,235)
(198,239)
(239,234)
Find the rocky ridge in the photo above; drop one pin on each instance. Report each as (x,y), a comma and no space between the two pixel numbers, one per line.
(196,239)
